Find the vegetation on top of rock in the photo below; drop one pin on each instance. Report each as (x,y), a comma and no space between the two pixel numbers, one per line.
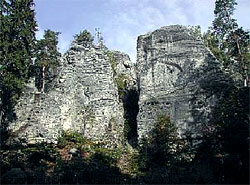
(112,61)
(84,38)
(121,82)
(196,31)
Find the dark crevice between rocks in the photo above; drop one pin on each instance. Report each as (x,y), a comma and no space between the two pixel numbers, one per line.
(131,109)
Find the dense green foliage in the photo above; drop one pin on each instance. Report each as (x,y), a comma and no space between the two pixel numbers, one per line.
(17,39)
(164,154)
(229,43)
(17,34)
(163,143)
(84,38)
(226,141)
(46,163)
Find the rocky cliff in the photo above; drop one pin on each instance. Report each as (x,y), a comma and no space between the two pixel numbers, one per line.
(178,76)
(83,98)
(96,91)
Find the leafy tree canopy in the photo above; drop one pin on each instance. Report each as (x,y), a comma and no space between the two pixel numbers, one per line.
(47,56)
(84,37)
(229,43)
(17,34)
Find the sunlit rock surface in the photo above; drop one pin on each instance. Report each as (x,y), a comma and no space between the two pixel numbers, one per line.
(83,98)
(178,76)
(96,91)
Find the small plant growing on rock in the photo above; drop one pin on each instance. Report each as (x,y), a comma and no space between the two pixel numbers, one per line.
(126,129)
(112,61)
(121,82)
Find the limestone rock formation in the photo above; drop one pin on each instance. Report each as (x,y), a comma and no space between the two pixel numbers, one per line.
(124,70)
(83,98)
(178,76)
(126,80)
(96,91)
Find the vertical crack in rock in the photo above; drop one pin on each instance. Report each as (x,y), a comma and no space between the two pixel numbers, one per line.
(131,108)
(126,81)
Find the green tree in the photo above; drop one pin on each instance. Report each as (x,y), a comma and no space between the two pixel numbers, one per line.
(164,146)
(225,143)
(229,42)
(213,42)
(17,38)
(84,38)
(223,23)
(47,56)
(17,33)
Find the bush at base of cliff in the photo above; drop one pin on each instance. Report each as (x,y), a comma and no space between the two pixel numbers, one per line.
(77,160)
(164,145)
(164,154)
(73,138)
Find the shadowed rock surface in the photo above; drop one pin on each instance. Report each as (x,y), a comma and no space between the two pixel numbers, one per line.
(178,76)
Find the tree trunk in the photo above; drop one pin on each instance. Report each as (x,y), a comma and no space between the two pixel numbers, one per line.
(43,79)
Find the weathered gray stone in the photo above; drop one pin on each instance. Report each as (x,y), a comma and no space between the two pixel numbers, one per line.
(83,98)
(178,76)
(95,90)
(125,69)
(124,65)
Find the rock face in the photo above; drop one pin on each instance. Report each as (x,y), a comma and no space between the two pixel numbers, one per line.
(178,76)
(96,91)
(125,67)
(83,98)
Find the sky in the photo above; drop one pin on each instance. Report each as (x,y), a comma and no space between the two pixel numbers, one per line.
(122,21)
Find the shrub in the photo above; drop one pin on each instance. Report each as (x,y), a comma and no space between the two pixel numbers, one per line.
(127,129)
(112,61)
(84,38)
(164,146)
(69,137)
(121,82)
